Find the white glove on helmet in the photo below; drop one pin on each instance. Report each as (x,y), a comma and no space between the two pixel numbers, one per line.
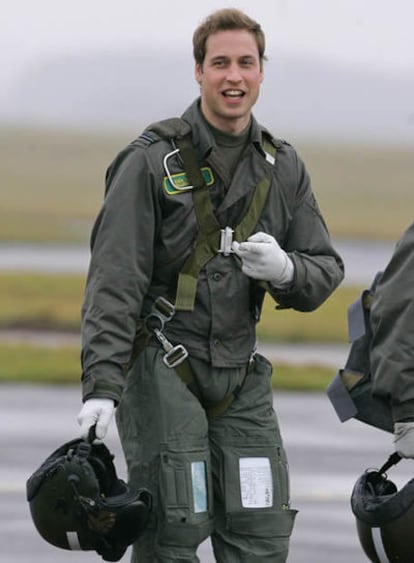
(404,438)
(263,259)
(96,411)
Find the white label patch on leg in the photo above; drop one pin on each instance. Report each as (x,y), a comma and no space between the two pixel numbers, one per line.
(199,481)
(256,483)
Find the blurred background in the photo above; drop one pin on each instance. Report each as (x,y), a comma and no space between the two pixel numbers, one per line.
(337,70)
(81,79)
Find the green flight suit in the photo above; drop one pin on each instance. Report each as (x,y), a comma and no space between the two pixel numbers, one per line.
(225,477)
(392,314)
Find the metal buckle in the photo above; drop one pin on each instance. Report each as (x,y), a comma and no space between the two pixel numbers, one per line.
(164,308)
(226,240)
(162,311)
(167,170)
(175,356)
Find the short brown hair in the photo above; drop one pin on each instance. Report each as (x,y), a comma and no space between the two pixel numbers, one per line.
(223,20)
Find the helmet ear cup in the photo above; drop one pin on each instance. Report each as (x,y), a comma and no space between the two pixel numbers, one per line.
(377,485)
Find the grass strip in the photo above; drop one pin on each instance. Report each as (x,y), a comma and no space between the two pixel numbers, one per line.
(41,301)
(34,364)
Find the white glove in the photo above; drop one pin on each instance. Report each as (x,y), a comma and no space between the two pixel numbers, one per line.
(96,411)
(404,438)
(263,259)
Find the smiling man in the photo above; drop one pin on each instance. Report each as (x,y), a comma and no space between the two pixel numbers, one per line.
(202,216)
(229,76)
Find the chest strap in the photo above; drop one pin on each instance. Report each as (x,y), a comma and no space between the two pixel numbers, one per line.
(207,242)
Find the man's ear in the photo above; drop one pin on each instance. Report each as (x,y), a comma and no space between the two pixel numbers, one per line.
(198,72)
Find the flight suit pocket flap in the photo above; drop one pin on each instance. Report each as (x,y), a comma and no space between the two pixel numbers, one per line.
(262,523)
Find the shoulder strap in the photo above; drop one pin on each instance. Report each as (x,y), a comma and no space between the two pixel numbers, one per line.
(250,220)
(207,241)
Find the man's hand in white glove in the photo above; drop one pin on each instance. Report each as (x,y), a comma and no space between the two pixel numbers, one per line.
(263,259)
(404,438)
(96,411)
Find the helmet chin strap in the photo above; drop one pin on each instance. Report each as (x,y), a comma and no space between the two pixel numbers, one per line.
(392,460)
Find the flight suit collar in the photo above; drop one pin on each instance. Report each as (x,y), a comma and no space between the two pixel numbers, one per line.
(252,168)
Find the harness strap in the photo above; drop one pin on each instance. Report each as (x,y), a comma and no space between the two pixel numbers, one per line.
(393,459)
(212,411)
(207,242)
(153,324)
(186,374)
(206,246)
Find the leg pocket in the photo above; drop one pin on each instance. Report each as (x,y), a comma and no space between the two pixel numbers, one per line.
(255,477)
(185,496)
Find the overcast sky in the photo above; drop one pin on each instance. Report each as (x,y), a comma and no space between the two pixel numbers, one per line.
(369,33)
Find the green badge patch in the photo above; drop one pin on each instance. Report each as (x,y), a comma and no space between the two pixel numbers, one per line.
(181,182)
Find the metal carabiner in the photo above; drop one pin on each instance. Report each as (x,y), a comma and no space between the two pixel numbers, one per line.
(174,185)
(174,355)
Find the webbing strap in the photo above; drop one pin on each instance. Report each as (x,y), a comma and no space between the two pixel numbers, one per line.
(393,459)
(207,242)
(185,373)
(206,219)
(212,411)
(249,221)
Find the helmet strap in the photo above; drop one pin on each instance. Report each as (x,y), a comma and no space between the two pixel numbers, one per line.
(392,460)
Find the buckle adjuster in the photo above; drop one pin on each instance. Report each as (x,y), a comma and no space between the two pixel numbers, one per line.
(226,240)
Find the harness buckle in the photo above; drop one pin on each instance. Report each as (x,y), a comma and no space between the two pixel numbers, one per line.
(175,356)
(226,240)
(161,312)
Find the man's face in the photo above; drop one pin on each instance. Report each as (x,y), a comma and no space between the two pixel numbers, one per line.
(230,79)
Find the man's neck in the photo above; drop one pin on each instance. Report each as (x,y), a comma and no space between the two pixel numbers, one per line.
(227,126)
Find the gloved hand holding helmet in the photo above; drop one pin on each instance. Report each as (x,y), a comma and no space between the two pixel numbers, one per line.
(263,259)
(77,502)
(404,438)
(97,412)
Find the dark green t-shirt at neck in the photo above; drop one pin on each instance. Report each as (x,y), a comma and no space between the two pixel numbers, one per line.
(231,146)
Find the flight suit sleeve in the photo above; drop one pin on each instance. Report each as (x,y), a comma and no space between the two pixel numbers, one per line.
(392,314)
(318,267)
(119,274)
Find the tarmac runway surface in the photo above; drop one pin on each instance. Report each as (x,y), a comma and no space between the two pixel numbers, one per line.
(326,457)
